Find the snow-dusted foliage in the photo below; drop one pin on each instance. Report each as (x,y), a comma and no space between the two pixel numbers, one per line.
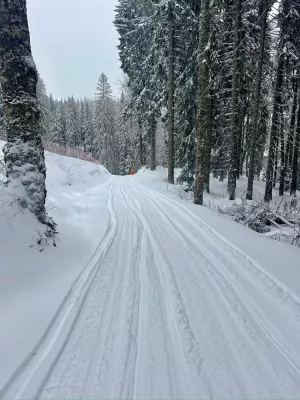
(46,108)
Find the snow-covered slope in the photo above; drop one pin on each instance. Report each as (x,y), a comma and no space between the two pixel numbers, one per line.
(33,283)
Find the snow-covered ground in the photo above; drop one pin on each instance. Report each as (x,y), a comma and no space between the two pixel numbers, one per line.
(280,259)
(178,301)
(245,212)
(32,283)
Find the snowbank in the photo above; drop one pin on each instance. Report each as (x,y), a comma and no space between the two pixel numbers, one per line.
(33,283)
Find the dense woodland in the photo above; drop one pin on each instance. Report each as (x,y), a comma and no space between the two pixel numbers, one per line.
(211,88)
(227,73)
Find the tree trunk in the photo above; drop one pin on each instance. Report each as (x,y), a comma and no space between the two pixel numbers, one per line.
(208,145)
(232,173)
(203,119)
(274,129)
(291,136)
(24,153)
(153,144)
(282,161)
(296,153)
(239,144)
(275,169)
(141,143)
(263,14)
(242,153)
(171,89)
(287,153)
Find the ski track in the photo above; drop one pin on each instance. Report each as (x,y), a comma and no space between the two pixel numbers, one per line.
(166,308)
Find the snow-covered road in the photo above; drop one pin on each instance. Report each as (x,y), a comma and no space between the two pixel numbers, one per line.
(166,308)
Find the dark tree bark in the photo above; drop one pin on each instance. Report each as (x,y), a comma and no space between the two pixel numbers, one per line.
(233,146)
(295,81)
(263,14)
(153,143)
(282,161)
(239,147)
(242,154)
(141,143)
(24,153)
(287,158)
(274,129)
(296,153)
(203,119)
(171,89)
(208,144)
(275,169)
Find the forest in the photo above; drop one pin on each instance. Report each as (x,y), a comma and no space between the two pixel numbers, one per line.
(227,74)
(136,222)
(212,89)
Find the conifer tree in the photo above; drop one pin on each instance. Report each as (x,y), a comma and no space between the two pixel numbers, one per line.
(44,105)
(105,124)
(73,125)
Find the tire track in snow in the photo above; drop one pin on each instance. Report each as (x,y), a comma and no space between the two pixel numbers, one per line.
(180,322)
(149,275)
(105,353)
(102,360)
(159,314)
(133,319)
(256,271)
(20,381)
(245,310)
(235,256)
(72,352)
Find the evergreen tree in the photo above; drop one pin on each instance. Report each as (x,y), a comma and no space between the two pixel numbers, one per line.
(289,17)
(105,124)
(139,53)
(62,138)
(88,129)
(44,105)
(73,125)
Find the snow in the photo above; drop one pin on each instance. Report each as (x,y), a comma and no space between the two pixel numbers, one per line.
(288,207)
(33,283)
(271,256)
(30,61)
(176,302)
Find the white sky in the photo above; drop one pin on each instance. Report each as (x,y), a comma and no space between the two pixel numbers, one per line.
(73,41)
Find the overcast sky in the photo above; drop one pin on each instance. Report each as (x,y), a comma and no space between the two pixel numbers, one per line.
(73,41)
